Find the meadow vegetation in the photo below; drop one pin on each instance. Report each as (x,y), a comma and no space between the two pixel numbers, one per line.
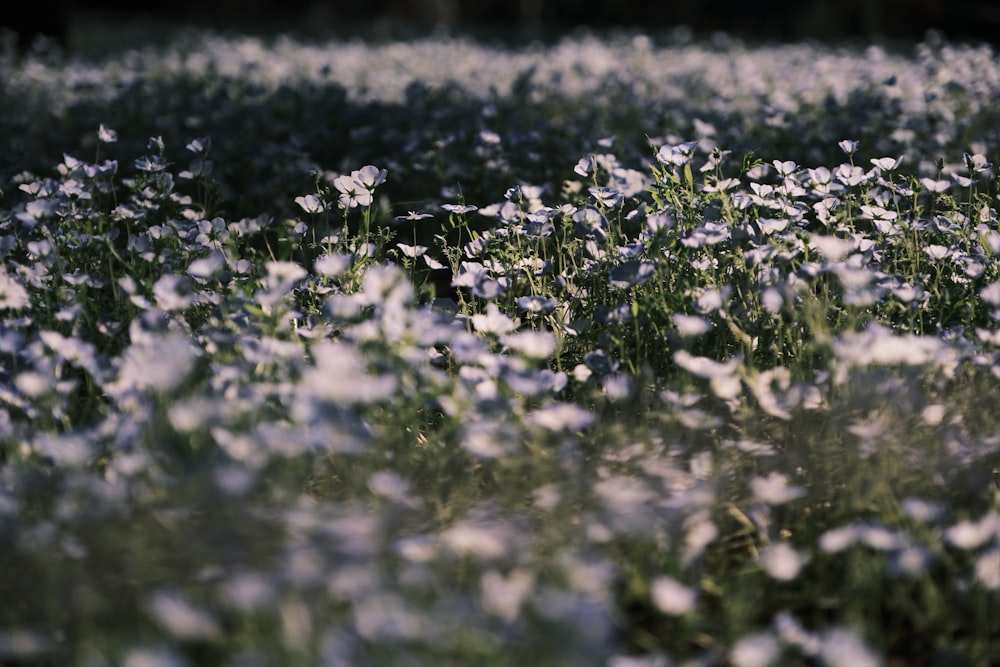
(618,350)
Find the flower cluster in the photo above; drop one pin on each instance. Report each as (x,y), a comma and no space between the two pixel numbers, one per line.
(641,404)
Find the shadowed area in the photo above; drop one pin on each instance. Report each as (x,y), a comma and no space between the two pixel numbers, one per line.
(759,19)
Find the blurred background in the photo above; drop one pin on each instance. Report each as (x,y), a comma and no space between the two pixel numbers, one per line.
(66,21)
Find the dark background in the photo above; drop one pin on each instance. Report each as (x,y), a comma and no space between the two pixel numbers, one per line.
(964,20)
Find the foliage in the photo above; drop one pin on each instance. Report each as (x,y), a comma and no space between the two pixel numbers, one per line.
(494,372)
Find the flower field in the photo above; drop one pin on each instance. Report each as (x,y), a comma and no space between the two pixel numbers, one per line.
(627,351)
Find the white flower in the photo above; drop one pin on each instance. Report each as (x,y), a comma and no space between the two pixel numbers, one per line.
(160,656)
(369,176)
(493,321)
(562,416)
(672,597)
(877,345)
(341,376)
(990,294)
(988,570)
(690,325)
(389,485)
(504,596)
(936,186)
(843,648)
(849,146)
(774,489)
(781,561)
(311,204)
(356,189)
(181,619)
(839,539)
(160,364)
(972,534)
(174,292)
(935,251)
(759,650)
(886,163)
(13,295)
(352,193)
(532,344)
(469,538)
(206,267)
(333,264)
(536,303)
(676,155)
(106,135)
(831,247)
(411,250)
(920,509)
(704,367)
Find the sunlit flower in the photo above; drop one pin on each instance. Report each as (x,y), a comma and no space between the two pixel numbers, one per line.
(774,489)
(536,303)
(832,248)
(352,193)
(181,619)
(677,155)
(839,539)
(967,534)
(249,591)
(690,325)
(486,439)
(385,616)
(921,510)
(333,264)
(459,209)
(607,197)
(562,417)
(388,484)
(934,185)
(369,176)
(757,650)
(850,175)
(886,163)
(340,375)
(206,267)
(671,596)
(843,648)
(991,294)
(485,541)
(849,146)
(910,561)
(493,321)
(504,595)
(489,288)
(106,135)
(988,570)
(710,300)
(158,656)
(618,387)
(162,364)
(13,295)
(411,250)
(704,367)
(781,561)
(532,344)
(311,204)
(585,166)
(413,216)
